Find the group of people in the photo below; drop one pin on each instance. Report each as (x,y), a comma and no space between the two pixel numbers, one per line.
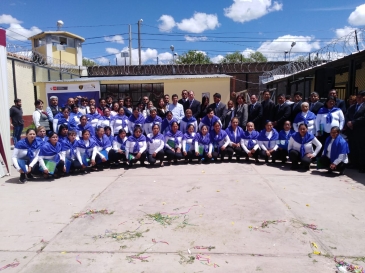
(82,138)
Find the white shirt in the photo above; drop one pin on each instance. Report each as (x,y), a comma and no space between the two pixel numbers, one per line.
(308,147)
(177,111)
(311,124)
(172,138)
(56,125)
(81,151)
(224,142)
(116,125)
(41,159)
(104,122)
(341,157)
(117,145)
(156,145)
(21,154)
(264,145)
(338,119)
(210,147)
(244,144)
(189,142)
(184,125)
(129,147)
(147,127)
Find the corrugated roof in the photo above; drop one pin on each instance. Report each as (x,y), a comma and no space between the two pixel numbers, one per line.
(143,78)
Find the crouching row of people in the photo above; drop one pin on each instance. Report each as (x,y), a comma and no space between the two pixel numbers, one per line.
(57,158)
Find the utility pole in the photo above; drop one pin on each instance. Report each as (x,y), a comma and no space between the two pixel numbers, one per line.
(139,42)
(130,45)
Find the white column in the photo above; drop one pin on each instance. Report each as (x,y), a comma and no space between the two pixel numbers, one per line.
(4,106)
(78,52)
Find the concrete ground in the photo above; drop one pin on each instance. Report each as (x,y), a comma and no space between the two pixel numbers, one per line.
(162,216)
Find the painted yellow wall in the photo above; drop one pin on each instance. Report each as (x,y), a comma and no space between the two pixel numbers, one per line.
(42,50)
(69,55)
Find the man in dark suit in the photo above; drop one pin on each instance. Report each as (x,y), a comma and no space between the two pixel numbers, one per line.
(339,103)
(184,97)
(282,113)
(296,107)
(315,104)
(357,125)
(255,113)
(228,114)
(192,104)
(267,108)
(217,106)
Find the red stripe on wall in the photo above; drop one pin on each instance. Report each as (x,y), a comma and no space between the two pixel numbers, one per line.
(2,37)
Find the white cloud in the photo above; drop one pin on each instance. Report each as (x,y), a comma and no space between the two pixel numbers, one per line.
(199,23)
(15,31)
(246,53)
(195,39)
(116,39)
(247,10)
(164,58)
(217,59)
(167,23)
(8,19)
(102,60)
(340,32)
(111,50)
(357,17)
(275,49)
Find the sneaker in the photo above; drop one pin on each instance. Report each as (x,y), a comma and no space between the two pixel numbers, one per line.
(30,176)
(22,178)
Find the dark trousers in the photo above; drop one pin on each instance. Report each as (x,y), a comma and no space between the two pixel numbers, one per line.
(325,162)
(296,157)
(159,156)
(115,156)
(170,155)
(17,132)
(255,155)
(141,159)
(274,155)
(360,146)
(191,155)
(59,167)
(75,165)
(282,153)
(322,139)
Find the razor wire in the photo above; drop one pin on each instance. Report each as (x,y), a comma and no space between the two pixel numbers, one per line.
(32,56)
(351,43)
(181,69)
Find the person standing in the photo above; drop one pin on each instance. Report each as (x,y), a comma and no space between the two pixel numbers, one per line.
(217,106)
(268,107)
(40,118)
(228,114)
(339,103)
(184,97)
(17,122)
(255,113)
(296,107)
(357,125)
(53,109)
(241,111)
(192,104)
(315,104)
(281,113)
(176,108)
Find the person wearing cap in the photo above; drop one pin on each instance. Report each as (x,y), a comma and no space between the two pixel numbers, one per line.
(52,109)
(357,125)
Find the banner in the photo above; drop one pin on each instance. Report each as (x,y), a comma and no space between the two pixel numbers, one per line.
(63,91)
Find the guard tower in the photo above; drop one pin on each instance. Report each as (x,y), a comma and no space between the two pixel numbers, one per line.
(52,43)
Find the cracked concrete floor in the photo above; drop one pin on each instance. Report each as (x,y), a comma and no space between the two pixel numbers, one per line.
(219,205)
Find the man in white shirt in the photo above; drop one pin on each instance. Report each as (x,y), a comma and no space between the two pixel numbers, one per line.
(176,108)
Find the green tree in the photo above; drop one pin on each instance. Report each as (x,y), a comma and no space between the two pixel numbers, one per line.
(235,57)
(193,57)
(87,62)
(257,57)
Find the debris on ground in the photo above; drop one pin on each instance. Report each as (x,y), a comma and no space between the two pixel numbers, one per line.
(297,223)
(185,260)
(12,265)
(343,266)
(90,212)
(126,235)
(204,247)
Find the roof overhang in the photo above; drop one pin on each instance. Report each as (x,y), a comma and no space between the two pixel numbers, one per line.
(58,33)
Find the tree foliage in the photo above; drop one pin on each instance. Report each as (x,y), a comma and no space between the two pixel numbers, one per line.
(193,57)
(87,62)
(237,57)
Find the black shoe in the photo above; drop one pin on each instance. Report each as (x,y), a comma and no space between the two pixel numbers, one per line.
(257,161)
(22,178)
(266,161)
(30,176)
(238,159)
(247,158)
(342,171)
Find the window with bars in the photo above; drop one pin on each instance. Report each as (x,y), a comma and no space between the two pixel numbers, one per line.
(153,91)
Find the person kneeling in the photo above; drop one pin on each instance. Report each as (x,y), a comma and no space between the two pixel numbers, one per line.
(173,140)
(135,147)
(300,147)
(203,146)
(155,143)
(334,157)
(119,143)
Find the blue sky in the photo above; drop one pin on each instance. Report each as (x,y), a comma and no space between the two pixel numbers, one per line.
(214,27)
